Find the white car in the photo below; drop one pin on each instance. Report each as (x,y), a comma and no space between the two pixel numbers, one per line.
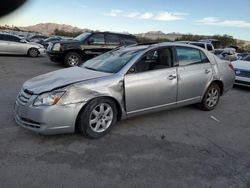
(242,71)
(11,44)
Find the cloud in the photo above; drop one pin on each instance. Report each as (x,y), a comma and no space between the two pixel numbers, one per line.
(224,23)
(160,16)
(114,13)
(168,16)
(146,15)
(132,14)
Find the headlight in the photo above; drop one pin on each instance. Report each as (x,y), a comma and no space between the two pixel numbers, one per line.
(48,99)
(56,47)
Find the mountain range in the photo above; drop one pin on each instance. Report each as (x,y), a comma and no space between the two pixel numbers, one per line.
(49,28)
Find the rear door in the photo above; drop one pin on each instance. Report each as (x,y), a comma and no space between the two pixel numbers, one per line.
(194,73)
(152,83)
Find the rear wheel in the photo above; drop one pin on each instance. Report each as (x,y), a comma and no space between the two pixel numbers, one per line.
(72,59)
(97,118)
(33,52)
(211,98)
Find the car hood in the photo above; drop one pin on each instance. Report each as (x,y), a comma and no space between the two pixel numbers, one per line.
(69,41)
(60,78)
(240,64)
(35,44)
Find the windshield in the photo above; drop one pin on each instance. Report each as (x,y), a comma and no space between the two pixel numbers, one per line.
(82,36)
(110,62)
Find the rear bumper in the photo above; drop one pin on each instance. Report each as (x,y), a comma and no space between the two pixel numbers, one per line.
(47,119)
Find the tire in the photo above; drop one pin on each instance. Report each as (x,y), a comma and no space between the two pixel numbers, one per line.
(72,59)
(33,52)
(211,98)
(92,121)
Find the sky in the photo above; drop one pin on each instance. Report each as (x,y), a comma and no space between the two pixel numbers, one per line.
(139,16)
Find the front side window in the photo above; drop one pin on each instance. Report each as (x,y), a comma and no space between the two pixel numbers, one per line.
(247,58)
(189,56)
(97,39)
(155,59)
(112,39)
(82,36)
(11,38)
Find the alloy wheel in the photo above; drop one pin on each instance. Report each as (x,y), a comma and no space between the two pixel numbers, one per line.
(101,117)
(73,60)
(212,97)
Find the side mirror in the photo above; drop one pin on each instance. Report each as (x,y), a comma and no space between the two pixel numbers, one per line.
(131,70)
(23,41)
(91,41)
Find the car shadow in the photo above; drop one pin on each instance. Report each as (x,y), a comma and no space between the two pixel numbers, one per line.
(242,88)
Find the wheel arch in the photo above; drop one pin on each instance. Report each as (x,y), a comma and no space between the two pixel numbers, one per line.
(79,51)
(220,84)
(118,106)
(32,47)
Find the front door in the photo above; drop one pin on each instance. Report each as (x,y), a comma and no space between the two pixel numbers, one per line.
(153,82)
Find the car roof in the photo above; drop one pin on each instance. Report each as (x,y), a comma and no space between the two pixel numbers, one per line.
(116,33)
(157,45)
(9,34)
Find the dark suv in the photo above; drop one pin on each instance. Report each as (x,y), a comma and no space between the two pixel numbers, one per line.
(86,46)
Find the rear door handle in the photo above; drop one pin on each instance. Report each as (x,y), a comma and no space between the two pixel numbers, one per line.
(207,71)
(172,76)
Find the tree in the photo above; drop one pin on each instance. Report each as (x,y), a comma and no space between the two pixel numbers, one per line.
(66,34)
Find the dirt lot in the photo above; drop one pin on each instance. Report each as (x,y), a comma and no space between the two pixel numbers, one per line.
(179,148)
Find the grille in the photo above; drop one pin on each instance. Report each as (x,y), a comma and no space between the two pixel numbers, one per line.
(50,46)
(242,73)
(24,96)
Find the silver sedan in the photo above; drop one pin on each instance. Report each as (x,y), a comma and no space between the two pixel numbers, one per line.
(122,83)
(11,44)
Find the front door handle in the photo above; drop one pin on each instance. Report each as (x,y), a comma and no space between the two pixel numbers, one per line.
(172,76)
(207,71)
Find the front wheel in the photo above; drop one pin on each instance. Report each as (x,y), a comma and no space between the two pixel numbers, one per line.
(97,118)
(211,98)
(33,52)
(72,59)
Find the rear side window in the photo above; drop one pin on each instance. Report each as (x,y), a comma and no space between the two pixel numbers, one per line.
(1,37)
(112,39)
(189,56)
(198,44)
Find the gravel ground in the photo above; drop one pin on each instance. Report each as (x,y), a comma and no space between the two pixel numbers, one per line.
(184,147)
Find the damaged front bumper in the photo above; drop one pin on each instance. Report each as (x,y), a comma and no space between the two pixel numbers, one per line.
(54,119)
